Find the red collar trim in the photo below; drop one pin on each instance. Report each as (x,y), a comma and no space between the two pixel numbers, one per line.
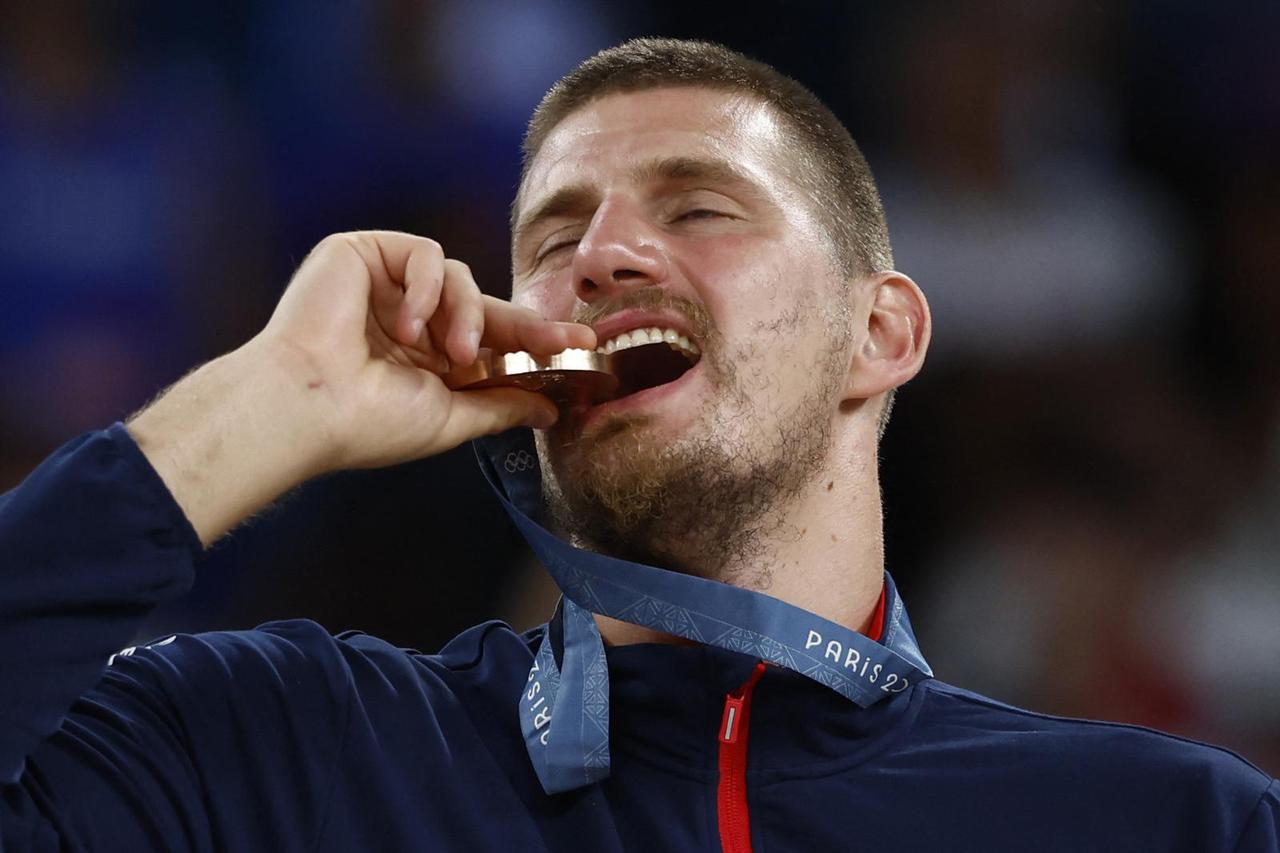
(876,629)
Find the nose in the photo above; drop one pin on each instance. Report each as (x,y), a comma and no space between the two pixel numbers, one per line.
(619,250)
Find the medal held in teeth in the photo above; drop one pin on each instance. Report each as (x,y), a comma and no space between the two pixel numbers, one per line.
(572,377)
(579,376)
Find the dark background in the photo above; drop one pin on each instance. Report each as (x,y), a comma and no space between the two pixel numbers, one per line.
(1082,489)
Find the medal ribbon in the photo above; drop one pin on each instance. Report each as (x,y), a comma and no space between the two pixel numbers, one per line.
(564,709)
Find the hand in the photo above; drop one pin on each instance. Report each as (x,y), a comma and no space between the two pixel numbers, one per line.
(370,322)
(346,374)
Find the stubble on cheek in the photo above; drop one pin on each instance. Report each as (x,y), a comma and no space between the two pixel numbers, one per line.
(706,502)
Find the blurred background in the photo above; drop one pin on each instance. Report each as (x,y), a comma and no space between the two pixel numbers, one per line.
(1082,489)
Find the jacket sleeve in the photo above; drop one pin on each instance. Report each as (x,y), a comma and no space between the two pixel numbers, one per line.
(90,542)
(221,741)
(197,742)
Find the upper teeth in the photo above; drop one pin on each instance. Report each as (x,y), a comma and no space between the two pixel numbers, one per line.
(651,335)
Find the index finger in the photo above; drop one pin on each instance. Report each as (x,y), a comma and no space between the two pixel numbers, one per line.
(510,328)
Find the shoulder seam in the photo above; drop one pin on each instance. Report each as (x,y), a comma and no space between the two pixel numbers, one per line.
(937,686)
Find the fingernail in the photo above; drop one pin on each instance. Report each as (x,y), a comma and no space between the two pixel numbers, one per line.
(415,326)
(473,340)
(575,327)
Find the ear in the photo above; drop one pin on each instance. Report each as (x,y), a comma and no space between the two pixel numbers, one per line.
(892,344)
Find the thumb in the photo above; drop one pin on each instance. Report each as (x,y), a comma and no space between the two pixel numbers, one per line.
(496,410)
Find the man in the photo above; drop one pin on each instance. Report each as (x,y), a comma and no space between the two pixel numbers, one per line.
(670,187)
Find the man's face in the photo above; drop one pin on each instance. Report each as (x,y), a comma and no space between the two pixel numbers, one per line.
(676,208)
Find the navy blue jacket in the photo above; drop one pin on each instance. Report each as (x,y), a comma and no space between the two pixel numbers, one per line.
(286,738)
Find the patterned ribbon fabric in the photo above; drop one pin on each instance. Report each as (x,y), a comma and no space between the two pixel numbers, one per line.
(564,710)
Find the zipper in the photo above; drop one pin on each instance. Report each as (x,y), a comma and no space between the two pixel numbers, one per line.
(731,795)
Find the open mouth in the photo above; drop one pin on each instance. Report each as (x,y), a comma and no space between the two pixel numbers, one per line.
(647,358)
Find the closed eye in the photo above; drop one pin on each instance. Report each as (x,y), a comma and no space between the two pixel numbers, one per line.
(699,213)
(555,247)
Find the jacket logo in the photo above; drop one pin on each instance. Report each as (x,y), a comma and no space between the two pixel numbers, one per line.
(128,652)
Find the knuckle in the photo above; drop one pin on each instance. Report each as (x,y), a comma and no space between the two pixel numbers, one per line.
(460,274)
(464,284)
(339,248)
(333,241)
(349,238)
(356,241)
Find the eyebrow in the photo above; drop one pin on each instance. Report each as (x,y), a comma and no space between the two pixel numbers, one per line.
(566,201)
(711,170)
(577,199)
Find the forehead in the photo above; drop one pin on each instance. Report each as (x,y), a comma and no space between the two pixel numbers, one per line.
(604,139)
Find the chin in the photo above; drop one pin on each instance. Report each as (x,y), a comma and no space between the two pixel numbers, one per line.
(610,443)
(619,463)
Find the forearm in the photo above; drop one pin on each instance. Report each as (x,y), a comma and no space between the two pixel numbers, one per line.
(235,434)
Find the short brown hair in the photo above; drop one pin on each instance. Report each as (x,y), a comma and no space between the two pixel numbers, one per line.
(832,170)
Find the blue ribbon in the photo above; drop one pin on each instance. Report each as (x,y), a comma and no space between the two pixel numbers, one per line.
(564,710)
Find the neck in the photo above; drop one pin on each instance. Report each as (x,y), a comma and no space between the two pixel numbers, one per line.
(824,553)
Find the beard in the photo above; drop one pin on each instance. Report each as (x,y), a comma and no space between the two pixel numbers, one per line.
(709,501)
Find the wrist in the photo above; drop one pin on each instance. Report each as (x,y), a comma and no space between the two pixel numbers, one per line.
(298,409)
(232,436)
